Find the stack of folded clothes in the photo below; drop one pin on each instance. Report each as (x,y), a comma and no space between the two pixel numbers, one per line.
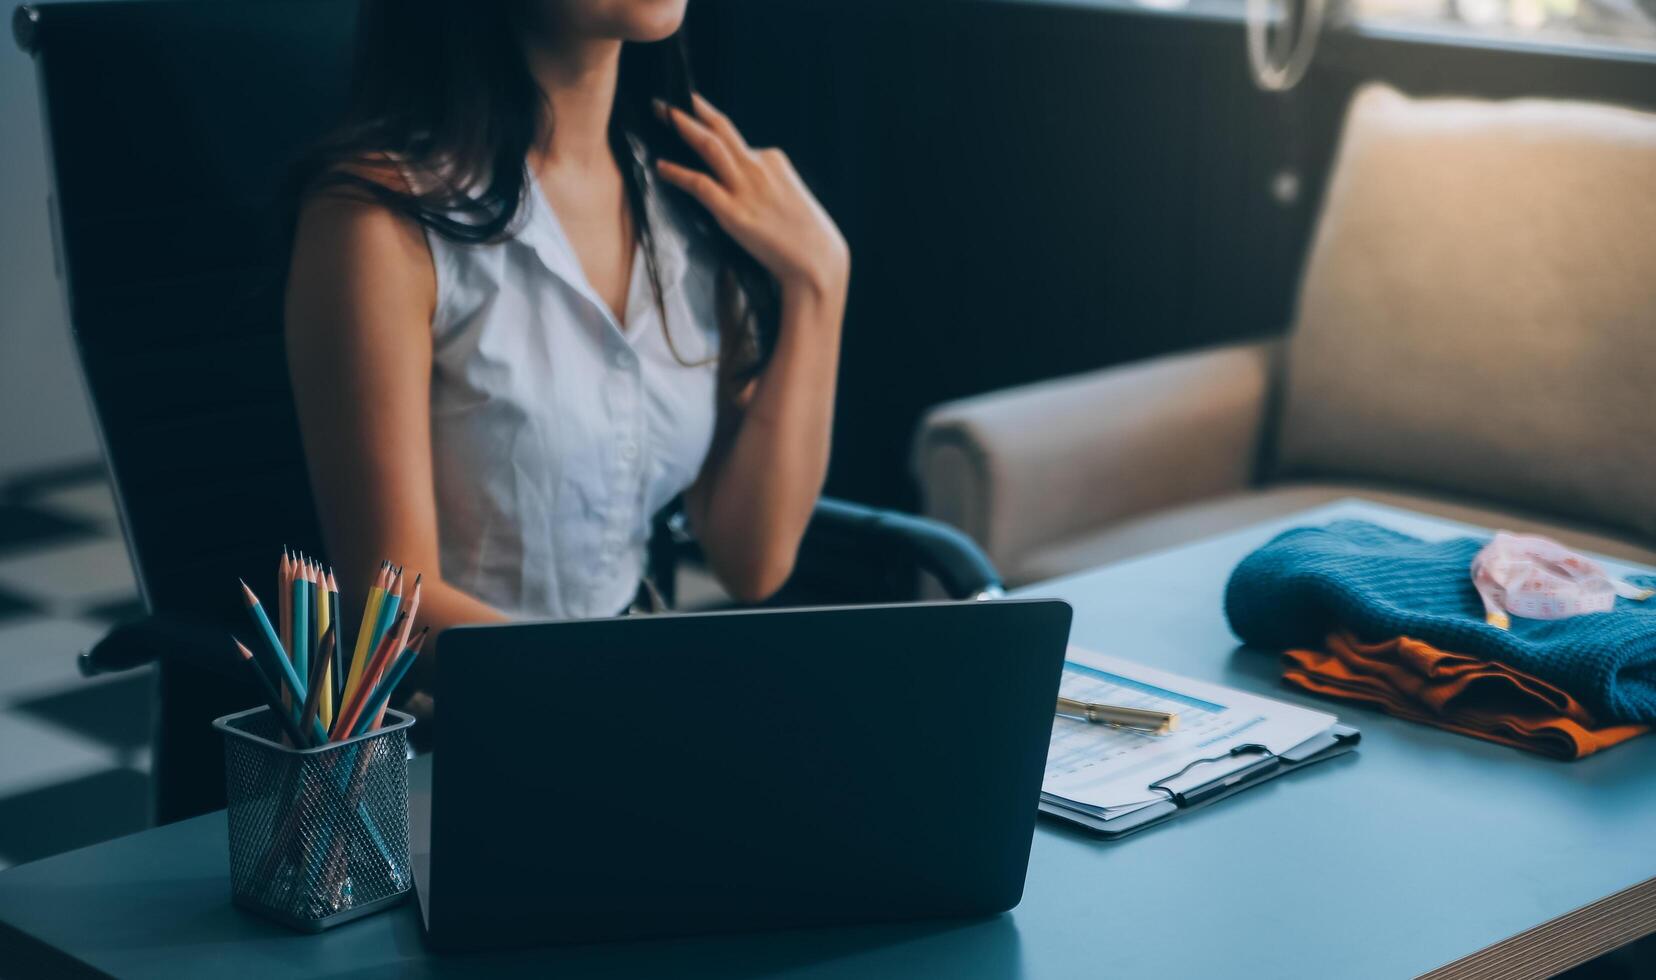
(1367,613)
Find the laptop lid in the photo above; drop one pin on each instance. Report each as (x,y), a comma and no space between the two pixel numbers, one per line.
(682,774)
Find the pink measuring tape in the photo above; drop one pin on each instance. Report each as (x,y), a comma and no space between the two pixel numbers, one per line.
(1537,578)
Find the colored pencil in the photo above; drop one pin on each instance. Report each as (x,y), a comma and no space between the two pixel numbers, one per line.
(356,699)
(413,610)
(310,640)
(324,622)
(318,684)
(389,606)
(283,668)
(370,616)
(405,620)
(301,623)
(371,632)
(401,667)
(355,702)
(284,610)
(272,697)
(314,584)
(332,699)
(273,643)
(375,712)
(401,651)
(338,673)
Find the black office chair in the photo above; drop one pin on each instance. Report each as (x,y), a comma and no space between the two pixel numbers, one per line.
(170,126)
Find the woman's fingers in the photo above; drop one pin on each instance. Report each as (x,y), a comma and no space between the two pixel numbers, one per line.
(704,141)
(758,199)
(712,195)
(717,121)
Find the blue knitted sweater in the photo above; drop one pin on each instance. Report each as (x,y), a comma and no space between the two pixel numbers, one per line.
(1378,584)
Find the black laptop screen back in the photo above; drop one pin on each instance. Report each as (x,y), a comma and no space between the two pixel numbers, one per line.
(676,775)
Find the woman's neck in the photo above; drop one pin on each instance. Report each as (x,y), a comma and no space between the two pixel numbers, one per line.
(579,80)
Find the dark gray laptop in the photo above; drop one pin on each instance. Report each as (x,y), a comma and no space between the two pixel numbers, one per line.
(722,772)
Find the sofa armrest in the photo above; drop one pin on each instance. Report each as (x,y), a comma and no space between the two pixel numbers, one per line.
(1031,466)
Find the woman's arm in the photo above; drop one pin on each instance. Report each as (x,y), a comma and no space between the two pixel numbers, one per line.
(756,492)
(360,297)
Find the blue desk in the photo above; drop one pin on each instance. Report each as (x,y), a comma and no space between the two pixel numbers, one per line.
(1422,851)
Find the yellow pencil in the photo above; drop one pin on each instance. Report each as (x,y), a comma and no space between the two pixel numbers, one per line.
(370,616)
(389,603)
(323,620)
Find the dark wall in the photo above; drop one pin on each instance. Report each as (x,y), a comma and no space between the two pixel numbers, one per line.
(1036,189)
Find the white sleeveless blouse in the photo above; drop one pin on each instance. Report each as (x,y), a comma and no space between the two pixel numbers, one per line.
(557,432)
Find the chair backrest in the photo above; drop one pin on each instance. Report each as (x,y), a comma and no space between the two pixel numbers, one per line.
(171,126)
(1478,312)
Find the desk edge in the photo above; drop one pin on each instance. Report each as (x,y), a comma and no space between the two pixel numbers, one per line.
(1567,941)
(24,955)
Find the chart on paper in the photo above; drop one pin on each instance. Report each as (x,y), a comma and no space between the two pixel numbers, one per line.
(1110,769)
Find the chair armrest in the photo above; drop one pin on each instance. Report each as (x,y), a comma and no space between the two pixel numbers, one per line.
(891,537)
(153,638)
(1031,466)
(850,553)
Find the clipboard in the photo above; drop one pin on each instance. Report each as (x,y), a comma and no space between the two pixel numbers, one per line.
(1241,769)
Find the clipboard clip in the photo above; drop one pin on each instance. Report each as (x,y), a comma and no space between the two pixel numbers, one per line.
(1251,761)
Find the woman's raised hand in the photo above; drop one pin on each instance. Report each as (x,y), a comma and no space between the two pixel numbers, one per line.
(759,200)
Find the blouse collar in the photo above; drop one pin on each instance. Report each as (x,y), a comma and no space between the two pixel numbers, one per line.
(544,234)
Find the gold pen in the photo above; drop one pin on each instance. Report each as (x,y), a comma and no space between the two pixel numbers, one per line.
(1138,719)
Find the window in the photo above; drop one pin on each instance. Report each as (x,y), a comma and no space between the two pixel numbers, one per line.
(1630,23)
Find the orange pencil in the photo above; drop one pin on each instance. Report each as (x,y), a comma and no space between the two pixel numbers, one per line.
(403,646)
(407,618)
(360,652)
(412,653)
(346,718)
(392,644)
(381,624)
(356,699)
(413,605)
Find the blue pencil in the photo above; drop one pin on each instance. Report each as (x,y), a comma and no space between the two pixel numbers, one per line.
(387,612)
(382,693)
(284,668)
(273,697)
(301,624)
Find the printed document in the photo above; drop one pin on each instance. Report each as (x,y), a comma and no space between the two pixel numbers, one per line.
(1107,771)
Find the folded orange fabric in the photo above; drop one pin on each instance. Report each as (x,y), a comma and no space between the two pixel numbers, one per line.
(1481,698)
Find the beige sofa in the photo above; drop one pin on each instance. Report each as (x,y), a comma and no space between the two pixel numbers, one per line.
(1475,337)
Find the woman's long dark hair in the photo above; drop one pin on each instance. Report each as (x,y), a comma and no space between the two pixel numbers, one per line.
(444,88)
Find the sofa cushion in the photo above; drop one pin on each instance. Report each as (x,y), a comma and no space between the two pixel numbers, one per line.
(1478,313)
(1182,525)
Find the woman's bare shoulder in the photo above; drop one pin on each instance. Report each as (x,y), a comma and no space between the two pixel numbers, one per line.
(354,190)
(354,248)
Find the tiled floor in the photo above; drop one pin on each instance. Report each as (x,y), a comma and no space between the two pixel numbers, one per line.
(73,751)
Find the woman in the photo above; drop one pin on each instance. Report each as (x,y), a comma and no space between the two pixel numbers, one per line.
(537,291)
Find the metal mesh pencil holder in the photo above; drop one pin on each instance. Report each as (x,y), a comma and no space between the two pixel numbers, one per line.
(318,836)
